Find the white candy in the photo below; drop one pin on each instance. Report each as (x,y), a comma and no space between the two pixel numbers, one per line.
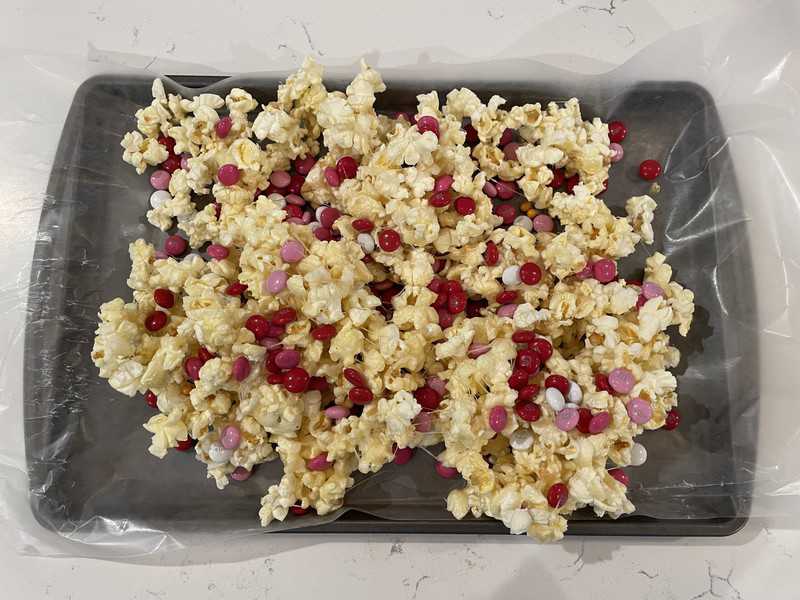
(318,212)
(575,393)
(521,439)
(520,521)
(554,398)
(511,275)
(525,222)
(366,242)
(571,405)
(218,453)
(314,225)
(279,200)
(159,197)
(638,455)
(185,218)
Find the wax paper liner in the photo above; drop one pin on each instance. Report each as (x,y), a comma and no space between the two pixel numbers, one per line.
(86,485)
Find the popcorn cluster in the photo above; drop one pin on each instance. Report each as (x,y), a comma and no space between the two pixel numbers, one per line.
(365,292)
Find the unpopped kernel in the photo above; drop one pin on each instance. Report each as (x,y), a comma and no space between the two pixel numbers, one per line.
(363,284)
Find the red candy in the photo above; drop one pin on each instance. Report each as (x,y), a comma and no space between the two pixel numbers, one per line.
(427,397)
(528,361)
(542,347)
(530,273)
(446,318)
(465,205)
(355,377)
(439,199)
(620,476)
(518,379)
(192,366)
(528,411)
(205,354)
(506,296)
(258,324)
(523,336)
(457,302)
(319,384)
(506,212)
(296,380)
(164,298)
(571,182)
(172,164)
(304,165)
(236,289)
(296,184)
(507,137)
(167,142)
(472,135)
(617,131)
(275,378)
(428,123)
(323,332)
(558,179)
(360,395)
(329,217)
(506,189)
(363,225)
(602,384)
(672,420)
(347,167)
(453,287)
(175,245)
(584,418)
(389,240)
(557,495)
(649,169)
(155,320)
(284,316)
(559,382)
(151,399)
(185,445)
(529,392)
(492,254)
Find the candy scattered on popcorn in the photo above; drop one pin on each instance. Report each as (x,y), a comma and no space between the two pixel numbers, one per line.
(360,285)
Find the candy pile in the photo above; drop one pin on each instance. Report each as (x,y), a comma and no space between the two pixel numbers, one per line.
(360,285)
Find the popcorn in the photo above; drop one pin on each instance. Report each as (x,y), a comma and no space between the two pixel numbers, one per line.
(331,356)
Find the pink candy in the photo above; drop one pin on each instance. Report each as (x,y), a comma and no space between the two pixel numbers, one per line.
(304,165)
(228,174)
(160,179)
(543,223)
(567,419)
(223,126)
(475,350)
(241,368)
(437,384)
(270,343)
(599,422)
(185,161)
(639,411)
(423,422)
(295,199)
(337,412)
(507,310)
(505,189)
(604,270)
(287,359)
(280,179)
(489,189)
(319,462)
(403,455)
(292,251)
(329,216)
(621,380)
(446,472)
(241,474)
(651,290)
(617,152)
(276,282)
(498,417)
(217,251)
(231,437)
(443,183)
(587,272)
(175,245)
(332,177)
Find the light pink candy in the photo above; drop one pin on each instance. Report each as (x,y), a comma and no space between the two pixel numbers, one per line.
(423,422)
(639,411)
(292,251)
(241,474)
(510,151)
(567,419)
(280,179)
(276,282)
(621,380)
(270,343)
(498,417)
(160,179)
(437,385)
(295,199)
(319,462)
(443,183)
(489,189)
(231,437)
(307,216)
(241,368)
(287,358)
(337,412)
(507,310)
(475,350)
(617,152)
(651,290)
(587,272)
(185,161)
(332,177)
(543,223)
(217,251)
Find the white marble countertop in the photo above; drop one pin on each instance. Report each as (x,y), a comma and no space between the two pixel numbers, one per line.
(240,36)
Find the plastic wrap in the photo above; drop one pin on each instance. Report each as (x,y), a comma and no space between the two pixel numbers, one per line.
(77,478)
